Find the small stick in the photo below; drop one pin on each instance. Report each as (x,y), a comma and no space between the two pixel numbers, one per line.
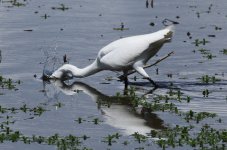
(0,56)
(147,66)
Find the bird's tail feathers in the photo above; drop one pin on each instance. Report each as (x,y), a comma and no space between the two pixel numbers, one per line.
(170,30)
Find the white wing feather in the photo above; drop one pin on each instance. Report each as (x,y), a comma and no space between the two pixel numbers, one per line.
(124,52)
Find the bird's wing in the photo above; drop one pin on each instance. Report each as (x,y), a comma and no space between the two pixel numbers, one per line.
(126,51)
(123,52)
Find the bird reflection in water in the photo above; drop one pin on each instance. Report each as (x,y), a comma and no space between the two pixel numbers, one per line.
(118,111)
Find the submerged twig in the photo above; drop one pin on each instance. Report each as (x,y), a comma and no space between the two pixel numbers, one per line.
(147,66)
(165,21)
(0,56)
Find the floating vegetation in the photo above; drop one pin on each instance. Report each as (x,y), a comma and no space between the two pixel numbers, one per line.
(193,134)
(198,42)
(36,111)
(61,7)
(8,83)
(111,138)
(193,116)
(139,137)
(224,51)
(58,105)
(206,53)
(122,27)
(206,138)
(164,103)
(217,28)
(16,3)
(205,93)
(93,120)
(45,16)
(209,79)
(62,142)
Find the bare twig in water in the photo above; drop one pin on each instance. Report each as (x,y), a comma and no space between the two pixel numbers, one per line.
(152,4)
(164,22)
(147,66)
(0,56)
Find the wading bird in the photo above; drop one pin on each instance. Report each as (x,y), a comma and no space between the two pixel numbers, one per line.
(121,55)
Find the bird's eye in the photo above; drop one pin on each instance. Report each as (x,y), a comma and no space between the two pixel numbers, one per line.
(67,75)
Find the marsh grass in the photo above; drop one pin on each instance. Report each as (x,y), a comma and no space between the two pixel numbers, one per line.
(8,83)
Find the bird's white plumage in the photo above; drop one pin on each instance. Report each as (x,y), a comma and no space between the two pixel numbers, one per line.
(123,54)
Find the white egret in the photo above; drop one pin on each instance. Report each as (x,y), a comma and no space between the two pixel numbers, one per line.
(121,55)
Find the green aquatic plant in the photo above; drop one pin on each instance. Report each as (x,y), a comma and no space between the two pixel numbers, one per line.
(224,51)
(205,93)
(96,121)
(194,116)
(139,137)
(206,53)
(61,7)
(209,79)
(62,142)
(36,111)
(45,16)
(58,105)
(80,120)
(197,42)
(111,138)
(205,138)
(18,4)
(8,83)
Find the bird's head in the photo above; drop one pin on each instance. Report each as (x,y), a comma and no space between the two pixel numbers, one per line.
(62,74)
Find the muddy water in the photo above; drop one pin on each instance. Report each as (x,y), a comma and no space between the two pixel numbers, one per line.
(28,37)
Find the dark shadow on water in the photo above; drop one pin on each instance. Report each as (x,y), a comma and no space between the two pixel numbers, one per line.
(181,85)
(118,110)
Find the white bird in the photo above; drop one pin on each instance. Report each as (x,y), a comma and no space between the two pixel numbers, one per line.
(121,55)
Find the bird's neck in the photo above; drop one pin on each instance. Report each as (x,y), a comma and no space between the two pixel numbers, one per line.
(86,71)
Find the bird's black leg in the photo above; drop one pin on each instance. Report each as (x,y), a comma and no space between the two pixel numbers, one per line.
(126,79)
(126,82)
(155,85)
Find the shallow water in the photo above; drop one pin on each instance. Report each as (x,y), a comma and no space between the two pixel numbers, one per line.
(80,32)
